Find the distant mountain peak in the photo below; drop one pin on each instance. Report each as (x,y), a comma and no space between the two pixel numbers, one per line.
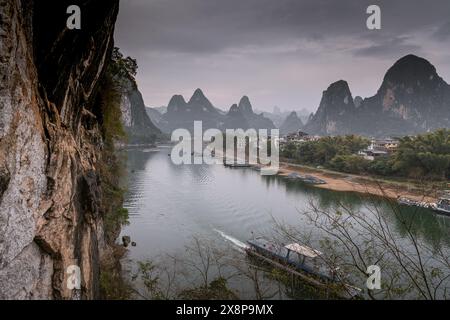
(340,85)
(198,95)
(245,106)
(176,99)
(244,99)
(335,110)
(182,115)
(200,101)
(175,103)
(233,109)
(337,95)
(411,58)
(291,124)
(276,110)
(410,69)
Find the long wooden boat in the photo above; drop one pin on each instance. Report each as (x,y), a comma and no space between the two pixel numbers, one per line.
(295,257)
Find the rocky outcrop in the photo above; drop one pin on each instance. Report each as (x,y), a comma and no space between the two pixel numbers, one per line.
(291,124)
(412,99)
(255,121)
(50,191)
(278,117)
(241,116)
(138,126)
(335,112)
(182,114)
(235,119)
(245,107)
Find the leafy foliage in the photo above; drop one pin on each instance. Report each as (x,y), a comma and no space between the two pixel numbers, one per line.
(111,171)
(423,156)
(123,66)
(111,166)
(323,151)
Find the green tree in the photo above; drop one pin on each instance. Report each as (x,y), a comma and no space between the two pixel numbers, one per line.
(426,155)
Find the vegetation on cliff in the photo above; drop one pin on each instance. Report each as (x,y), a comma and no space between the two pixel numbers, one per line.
(118,81)
(136,123)
(111,172)
(112,164)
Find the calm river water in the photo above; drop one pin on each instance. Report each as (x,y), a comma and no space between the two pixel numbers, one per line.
(169,205)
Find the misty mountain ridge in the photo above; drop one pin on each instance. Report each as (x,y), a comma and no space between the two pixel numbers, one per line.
(182,114)
(278,116)
(412,98)
(291,124)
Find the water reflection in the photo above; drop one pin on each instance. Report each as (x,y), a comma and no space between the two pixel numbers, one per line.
(170,204)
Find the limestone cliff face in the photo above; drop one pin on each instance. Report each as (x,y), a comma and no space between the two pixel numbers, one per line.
(138,126)
(412,99)
(335,113)
(50,192)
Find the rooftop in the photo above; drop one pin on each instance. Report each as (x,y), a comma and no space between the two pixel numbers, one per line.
(303,250)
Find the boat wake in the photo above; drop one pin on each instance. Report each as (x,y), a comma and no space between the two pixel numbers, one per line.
(239,244)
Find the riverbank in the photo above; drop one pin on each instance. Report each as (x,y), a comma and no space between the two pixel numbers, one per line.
(344,182)
(428,192)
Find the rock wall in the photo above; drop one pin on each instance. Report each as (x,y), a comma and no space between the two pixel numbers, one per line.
(335,115)
(138,126)
(50,142)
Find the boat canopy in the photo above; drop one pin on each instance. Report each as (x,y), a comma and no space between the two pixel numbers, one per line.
(303,250)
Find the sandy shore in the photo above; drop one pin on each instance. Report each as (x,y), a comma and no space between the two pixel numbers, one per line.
(361,184)
(344,182)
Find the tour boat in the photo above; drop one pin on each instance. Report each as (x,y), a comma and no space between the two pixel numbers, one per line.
(295,257)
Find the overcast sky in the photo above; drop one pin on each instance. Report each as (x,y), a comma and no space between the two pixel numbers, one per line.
(278,52)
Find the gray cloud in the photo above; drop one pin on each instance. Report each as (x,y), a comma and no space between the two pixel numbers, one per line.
(396,46)
(280,52)
(443,32)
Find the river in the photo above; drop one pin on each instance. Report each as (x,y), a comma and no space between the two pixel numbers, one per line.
(169,205)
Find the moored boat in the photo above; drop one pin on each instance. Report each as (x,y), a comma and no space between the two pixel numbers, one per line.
(443,205)
(414,203)
(305,178)
(237,165)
